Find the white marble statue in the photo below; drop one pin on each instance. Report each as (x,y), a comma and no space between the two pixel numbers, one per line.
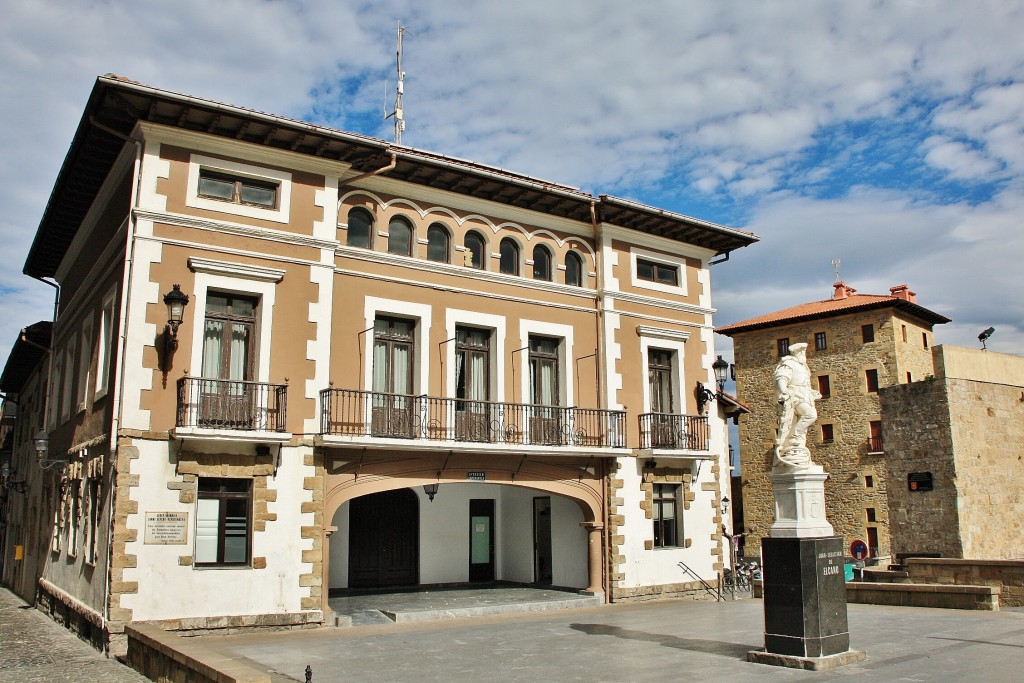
(796,409)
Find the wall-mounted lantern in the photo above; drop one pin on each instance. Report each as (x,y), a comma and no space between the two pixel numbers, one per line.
(721,368)
(176,300)
(430,490)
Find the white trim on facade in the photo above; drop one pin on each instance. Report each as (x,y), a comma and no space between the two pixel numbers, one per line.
(678,263)
(282,179)
(566,359)
(421,313)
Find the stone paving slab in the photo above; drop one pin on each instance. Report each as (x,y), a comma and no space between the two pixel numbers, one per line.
(655,641)
(33,648)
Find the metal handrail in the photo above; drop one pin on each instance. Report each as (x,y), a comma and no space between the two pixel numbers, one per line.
(673,431)
(231,404)
(717,594)
(351,412)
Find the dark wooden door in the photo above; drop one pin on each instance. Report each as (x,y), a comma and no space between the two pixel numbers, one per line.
(384,540)
(542,540)
(481,539)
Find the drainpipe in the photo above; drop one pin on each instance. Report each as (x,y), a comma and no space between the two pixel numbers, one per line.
(603,401)
(380,171)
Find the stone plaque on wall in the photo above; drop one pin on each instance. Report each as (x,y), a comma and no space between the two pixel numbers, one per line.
(166,528)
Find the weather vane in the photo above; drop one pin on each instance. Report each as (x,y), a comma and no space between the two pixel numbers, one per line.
(835,266)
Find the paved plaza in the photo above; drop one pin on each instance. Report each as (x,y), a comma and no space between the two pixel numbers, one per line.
(657,641)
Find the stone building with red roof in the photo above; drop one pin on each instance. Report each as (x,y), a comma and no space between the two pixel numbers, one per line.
(857,345)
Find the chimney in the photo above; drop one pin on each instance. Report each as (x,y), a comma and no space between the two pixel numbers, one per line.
(842,291)
(903,292)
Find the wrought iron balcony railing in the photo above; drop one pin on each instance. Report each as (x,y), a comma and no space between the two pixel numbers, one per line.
(674,432)
(875,444)
(349,412)
(231,404)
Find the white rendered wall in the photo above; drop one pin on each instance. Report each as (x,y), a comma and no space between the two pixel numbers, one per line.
(444,536)
(168,590)
(655,567)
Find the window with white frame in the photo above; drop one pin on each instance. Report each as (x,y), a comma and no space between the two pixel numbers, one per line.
(656,271)
(240,189)
(223,516)
(666,515)
(84,365)
(68,381)
(105,339)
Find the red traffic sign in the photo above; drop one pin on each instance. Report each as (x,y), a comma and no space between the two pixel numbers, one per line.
(859,550)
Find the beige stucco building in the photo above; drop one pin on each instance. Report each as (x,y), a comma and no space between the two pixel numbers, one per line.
(392,368)
(858,344)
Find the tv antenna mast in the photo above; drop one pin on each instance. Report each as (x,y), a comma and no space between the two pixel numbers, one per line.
(835,267)
(398,114)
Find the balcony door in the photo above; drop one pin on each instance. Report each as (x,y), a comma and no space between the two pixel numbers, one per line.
(545,422)
(662,398)
(394,410)
(227,394)
(472,384)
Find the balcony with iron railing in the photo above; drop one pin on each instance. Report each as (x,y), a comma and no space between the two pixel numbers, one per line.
(354,415)
(669,431)
(231,408)
(875,445)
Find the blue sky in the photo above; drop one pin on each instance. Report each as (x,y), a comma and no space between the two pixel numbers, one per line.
(887,135)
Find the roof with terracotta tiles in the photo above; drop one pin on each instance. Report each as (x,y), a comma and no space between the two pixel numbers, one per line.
(845,302)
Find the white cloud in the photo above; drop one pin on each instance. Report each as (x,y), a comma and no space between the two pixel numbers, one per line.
(728,98)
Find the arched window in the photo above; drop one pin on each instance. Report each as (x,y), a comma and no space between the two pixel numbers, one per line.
(541,263)
(437,243)
(360,227)
(509,252)
(475,246)
(573,269)
(399,237)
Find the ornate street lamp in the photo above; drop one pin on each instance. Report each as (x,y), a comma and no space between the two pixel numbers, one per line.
(430,490)
(176,301)
(721,368)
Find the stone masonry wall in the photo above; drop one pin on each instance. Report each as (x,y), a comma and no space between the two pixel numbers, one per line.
(917,438)
(970,436)
(855,492)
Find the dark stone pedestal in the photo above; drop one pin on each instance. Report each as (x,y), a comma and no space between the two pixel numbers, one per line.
(805,603)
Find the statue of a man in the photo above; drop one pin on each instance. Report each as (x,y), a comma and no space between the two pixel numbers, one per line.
(796,408)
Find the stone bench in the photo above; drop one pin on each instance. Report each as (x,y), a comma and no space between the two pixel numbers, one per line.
(923,595)
(165,656)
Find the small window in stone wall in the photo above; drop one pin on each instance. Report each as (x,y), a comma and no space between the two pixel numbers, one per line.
(867,333)
(924,339)
(871,515)
(869,481)
(871,376)
(820,341)
(783,346)
(827,433)
(824,386)
(909,380)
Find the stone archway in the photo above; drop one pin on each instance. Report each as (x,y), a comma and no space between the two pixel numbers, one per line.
(352,474)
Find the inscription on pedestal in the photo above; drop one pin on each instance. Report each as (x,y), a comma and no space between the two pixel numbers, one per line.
(805,597)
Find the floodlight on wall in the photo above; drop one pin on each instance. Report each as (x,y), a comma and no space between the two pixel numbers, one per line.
(983,337)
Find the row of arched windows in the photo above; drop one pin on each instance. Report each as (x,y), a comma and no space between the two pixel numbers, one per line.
(401,241)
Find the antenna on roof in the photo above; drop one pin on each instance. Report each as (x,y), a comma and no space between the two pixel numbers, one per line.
(835,266)
(397,113)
